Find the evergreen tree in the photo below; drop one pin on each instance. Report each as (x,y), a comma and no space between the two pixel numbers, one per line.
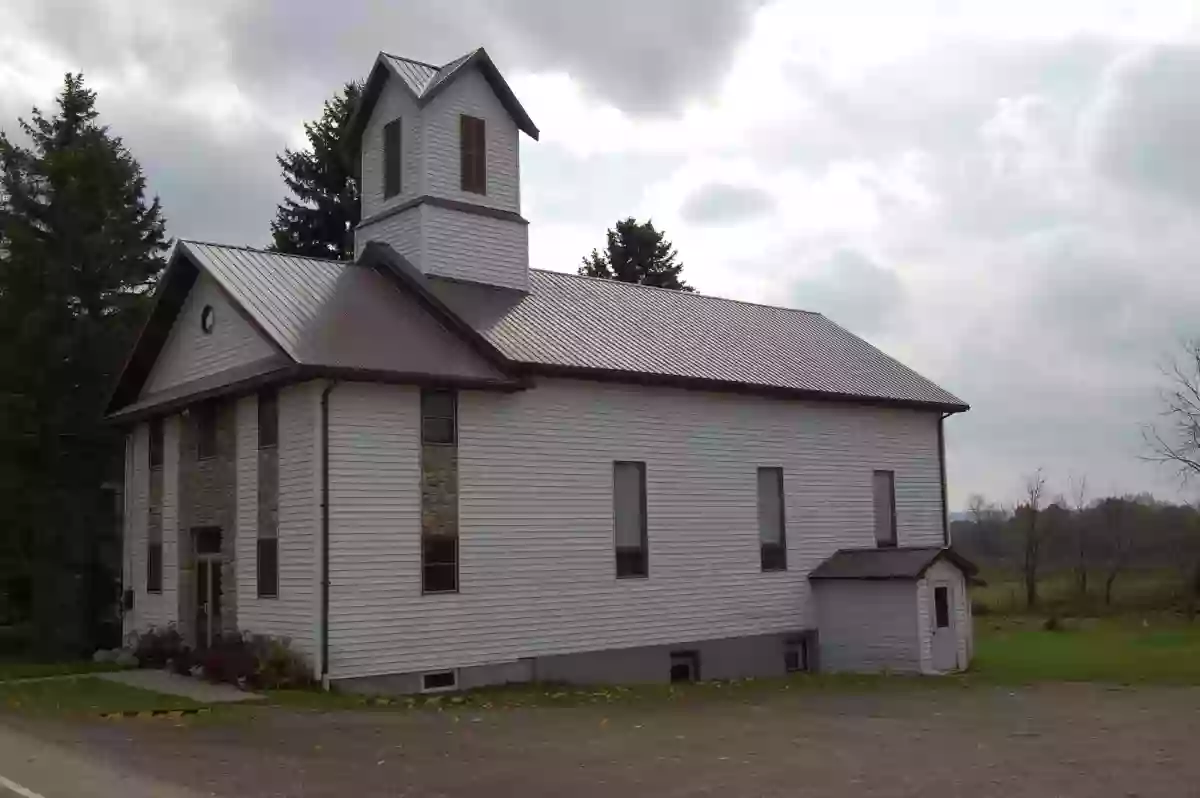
(636,253)
(79,249)
(319,220)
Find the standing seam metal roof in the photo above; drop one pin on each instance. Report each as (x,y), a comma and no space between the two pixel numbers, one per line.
(573,322)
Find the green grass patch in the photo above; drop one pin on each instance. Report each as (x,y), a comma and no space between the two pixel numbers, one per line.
(1058,592)
(1128,650)
(84,695)
(23,669)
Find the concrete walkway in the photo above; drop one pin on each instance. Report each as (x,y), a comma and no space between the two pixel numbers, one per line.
(185,686)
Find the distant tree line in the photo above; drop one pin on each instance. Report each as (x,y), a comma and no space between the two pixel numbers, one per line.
(1096,541)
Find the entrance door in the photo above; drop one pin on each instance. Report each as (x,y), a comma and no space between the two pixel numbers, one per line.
(208,586)
(945,640)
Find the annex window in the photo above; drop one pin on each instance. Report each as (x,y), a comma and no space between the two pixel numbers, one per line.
(941,606)
(268,419)
(795,655)
(154,566)
(771,537)
(884,492)
(206,430)
(629,518)
(268,567)
(439,564)
(156,443)
(473,143)
(391,159)
(439,416)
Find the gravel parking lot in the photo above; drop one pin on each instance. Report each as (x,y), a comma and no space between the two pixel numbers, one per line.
(1053,740)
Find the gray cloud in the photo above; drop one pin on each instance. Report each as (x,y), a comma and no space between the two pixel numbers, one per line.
(1146,121)
(854,291)
(716,204)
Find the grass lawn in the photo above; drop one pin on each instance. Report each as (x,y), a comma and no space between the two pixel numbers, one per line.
(1156,649)
(1134,591)
(23,669)
(84,695)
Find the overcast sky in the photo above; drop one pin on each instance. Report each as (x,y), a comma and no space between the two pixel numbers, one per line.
(1006,196)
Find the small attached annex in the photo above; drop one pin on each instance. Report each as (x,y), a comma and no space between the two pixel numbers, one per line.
(891,609)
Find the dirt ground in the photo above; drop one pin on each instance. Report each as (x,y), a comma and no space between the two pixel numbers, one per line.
(1060,740)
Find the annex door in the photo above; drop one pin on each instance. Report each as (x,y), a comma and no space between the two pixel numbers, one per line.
(208,586)
(945,637)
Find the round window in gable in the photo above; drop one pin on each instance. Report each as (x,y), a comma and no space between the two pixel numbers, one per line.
(208,317)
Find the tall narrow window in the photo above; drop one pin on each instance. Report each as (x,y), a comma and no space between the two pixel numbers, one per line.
(206,430)
(439,563)
(771,537)
(268,567)
(941,606)
(154,564)
(391,159)
(438,416)
(884,490)
(473,143)
(629,518)
(156,443)
(268,419)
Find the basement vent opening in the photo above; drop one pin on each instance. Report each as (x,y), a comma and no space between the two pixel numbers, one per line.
(439,680)
(685,666)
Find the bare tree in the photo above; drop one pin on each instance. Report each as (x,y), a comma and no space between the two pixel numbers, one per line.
(1028,514)
(1175,439)
(1082,533)
(1119,519)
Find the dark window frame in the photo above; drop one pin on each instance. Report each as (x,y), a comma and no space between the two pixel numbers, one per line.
(428,417)
(442,566)
(941,606)
(267,588)
(154,566)
(268,399)
(894,540)
(772,556)
(157,443)
(472,135)
(207,445)
(690,659)
(632,563)
(393,168)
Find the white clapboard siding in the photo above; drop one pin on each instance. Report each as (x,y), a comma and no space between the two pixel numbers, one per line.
(472,95)
(168,609)
(868,625)
(138,492)
(295,613)
(402,231)
(465,246)
(189,353)
(250,607)
(394,103)
(537,565)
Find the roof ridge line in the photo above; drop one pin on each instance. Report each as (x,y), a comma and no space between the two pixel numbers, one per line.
(677,291)
(411,60)
(260,251)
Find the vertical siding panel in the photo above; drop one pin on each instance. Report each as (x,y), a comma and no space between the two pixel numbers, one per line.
(135,524)
(189,353)
(250,607)
(536,564)
(869,625)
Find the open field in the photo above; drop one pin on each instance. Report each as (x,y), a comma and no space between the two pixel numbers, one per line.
(1134,591)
